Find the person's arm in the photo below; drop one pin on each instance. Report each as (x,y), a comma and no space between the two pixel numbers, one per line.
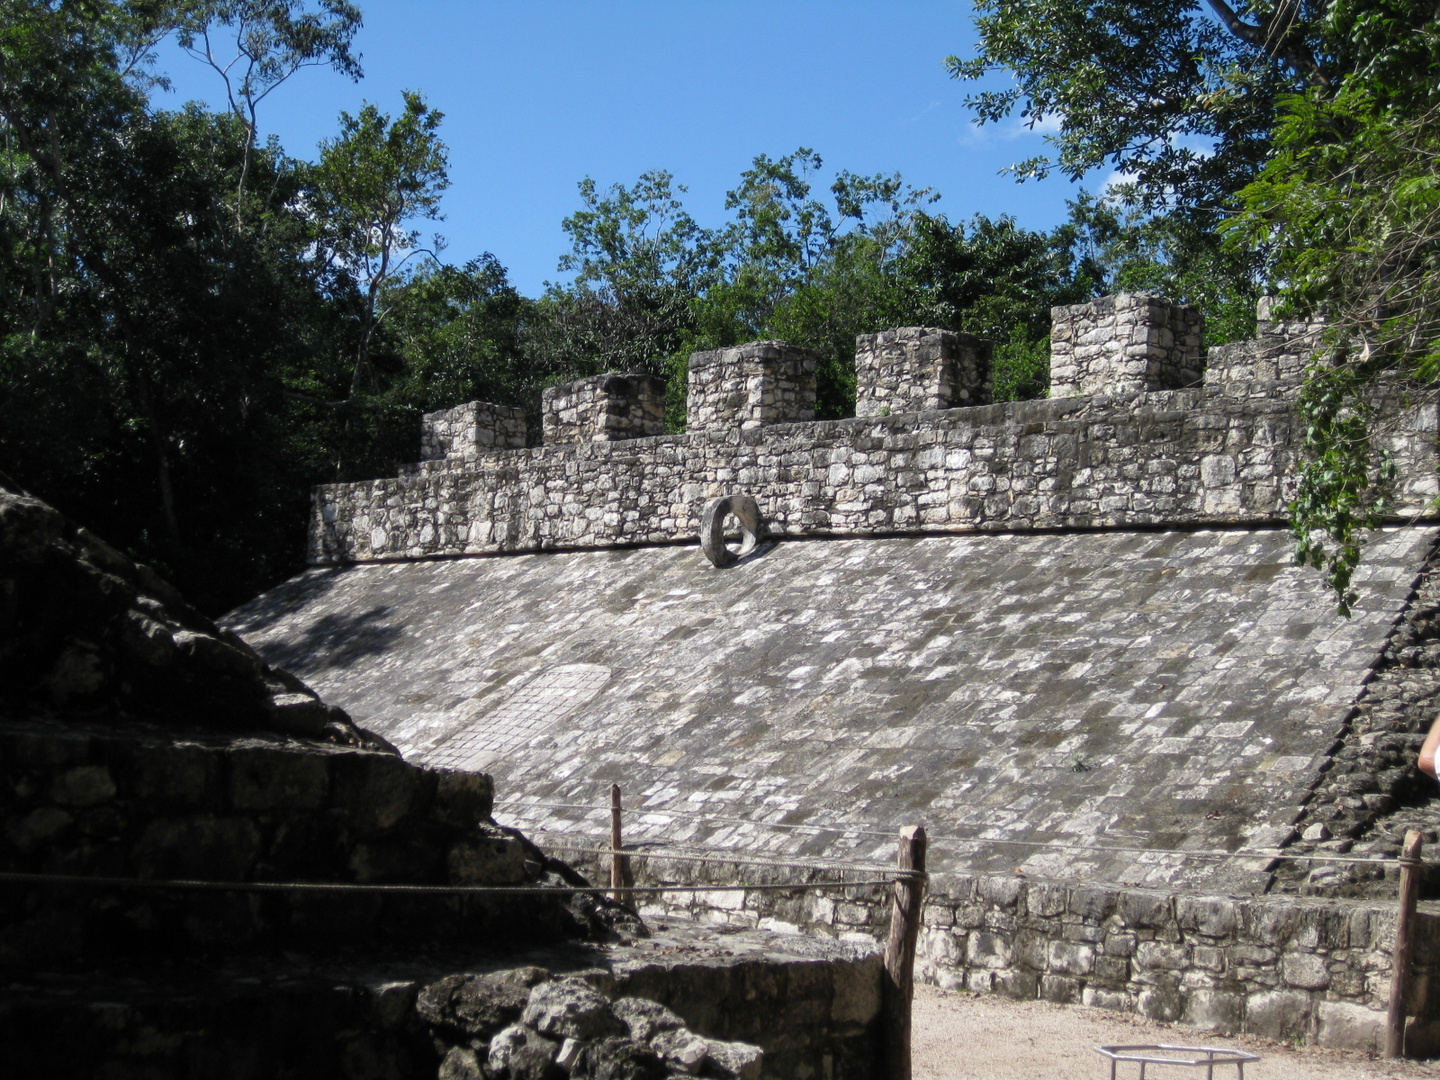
(1429,748)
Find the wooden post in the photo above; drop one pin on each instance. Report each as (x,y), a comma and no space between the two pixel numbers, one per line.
(1404,941)
(899,988)
(617,861)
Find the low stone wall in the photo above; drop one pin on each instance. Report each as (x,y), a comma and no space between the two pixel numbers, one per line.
(812,1007)
(1281,967)
(1187,457)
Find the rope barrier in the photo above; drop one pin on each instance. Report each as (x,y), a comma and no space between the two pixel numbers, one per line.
(786,864)
(1270,855)
(424,890)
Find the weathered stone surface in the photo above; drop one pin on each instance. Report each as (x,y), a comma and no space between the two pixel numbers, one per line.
(645,1019)
(750,386)
(478,1005)
(1350,1027)
(603,408)
(568,1009)
(85,631)
(1120,344)
(917,368)
(467,431)
(1180,688)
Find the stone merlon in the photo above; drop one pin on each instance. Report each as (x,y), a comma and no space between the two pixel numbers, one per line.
(1131,436)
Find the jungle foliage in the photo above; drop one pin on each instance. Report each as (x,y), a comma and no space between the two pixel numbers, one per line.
(1284,144)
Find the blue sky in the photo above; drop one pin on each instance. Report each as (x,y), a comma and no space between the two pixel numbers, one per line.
(539,94)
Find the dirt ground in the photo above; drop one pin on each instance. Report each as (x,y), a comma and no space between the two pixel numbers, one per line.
(960,1036)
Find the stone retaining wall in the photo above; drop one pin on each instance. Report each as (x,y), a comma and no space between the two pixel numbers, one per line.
(1280,967)
(1186,457)
(812,1007)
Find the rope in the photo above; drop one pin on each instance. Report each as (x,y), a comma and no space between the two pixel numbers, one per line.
(1272,855)
(792,864)
(424,890)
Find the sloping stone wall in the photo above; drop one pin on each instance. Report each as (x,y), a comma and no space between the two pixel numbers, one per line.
(1136,690)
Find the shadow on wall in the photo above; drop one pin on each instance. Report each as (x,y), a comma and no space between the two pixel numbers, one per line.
(341,638)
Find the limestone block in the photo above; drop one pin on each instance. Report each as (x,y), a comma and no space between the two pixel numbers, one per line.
(1305,971)
(1061,989)
(1212,916)
(1161,1002)
(988,950)
(1214,1010)
(1070,958)
(569,1008)
(1279,1014)
(1349,1027)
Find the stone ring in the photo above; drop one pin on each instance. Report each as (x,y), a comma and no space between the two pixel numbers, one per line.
(712,528)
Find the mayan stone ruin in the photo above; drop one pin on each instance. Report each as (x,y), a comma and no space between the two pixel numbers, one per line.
(1064,635)
(208,871)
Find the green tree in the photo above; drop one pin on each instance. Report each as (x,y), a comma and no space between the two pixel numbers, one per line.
(373,182)
(639,263)
(146,343)
(255,46)
(1178,94)
(1349,210)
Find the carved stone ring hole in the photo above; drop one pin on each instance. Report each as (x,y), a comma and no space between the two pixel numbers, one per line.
(712,529)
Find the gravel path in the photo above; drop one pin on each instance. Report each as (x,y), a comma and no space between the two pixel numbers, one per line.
(960,1036)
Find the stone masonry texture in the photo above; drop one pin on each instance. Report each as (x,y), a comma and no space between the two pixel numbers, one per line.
(1064,635)
(477,427)
(603,408)
(1116,344)
(916,368)
(1153,690)
(764,382)
(1200,456)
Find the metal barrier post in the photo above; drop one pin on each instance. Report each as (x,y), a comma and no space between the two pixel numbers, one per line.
(899,987)
(1404,940)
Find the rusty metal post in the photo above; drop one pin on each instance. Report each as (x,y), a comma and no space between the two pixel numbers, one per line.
(899,988)
(1404,943)
(617,861)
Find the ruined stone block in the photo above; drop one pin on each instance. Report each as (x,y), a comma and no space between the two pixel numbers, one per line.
(603,408)
(1214,1010)
(1125,344)
(748,386)
(1279,1014)
(914,368)
(1279,353)
(467,431)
